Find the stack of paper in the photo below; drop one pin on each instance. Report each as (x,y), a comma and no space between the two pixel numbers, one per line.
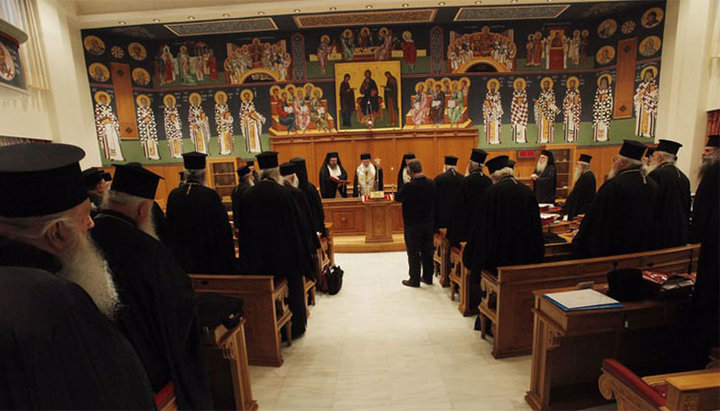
(587,299)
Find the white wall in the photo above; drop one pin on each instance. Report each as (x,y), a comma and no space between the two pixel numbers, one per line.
(687,86)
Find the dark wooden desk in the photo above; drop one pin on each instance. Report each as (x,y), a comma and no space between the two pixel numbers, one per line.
(569,346)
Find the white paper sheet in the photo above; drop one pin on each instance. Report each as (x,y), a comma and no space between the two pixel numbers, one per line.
(587,299)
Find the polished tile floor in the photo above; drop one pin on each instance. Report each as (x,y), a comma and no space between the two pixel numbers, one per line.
(378,345)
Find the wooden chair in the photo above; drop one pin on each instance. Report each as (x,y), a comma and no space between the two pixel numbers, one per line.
(310,291)
(691,390)
(441,257)
(266,310)
(508,298)
(226,360)
(459,278)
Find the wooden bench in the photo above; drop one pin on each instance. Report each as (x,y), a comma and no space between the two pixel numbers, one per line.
(310,291)
(459,279)
(441,256)
(508,299)
(266,310)
(690,390)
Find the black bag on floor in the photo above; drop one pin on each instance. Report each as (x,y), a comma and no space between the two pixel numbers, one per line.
(334,279)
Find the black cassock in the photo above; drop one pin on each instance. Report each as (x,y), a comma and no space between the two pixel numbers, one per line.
(379,185)
(199,233)
(157,312)
(705,229)
(158,218)
(672,210)
(235,196)
(273,242)
(57,350)
(312,197)
(447,187)
(467,203)
(544,186)
(582,195)
(506,229)
(306,222)
(329,188)
(620,218)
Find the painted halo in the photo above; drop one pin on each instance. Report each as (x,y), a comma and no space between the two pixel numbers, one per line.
(406,35)
(610,54)
(493,81)
(659,15)
(544,79)
(246,95)
(137,51)
(143,80)
(223,94)
(317,89)
(94,45)
(101,94)
(142,97)
(192,96)
(273,88)
(657,43)
(607,28)
(577,82)
(653,69)
(605,76)
(105,72)
(418,85)
(465,80)
(347,33)
(325,38)
(519,80)
(169,100)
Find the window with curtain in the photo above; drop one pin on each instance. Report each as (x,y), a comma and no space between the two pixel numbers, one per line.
(23,15)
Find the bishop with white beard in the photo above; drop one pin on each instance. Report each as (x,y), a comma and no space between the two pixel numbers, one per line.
(583,193)
(368,177)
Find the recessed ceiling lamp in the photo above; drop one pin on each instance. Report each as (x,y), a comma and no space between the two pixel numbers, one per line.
(513,1)
(369,6)
(405,5)
(296,11)
(226,15)
(333,8)
(156,20)
(262,13)
(442,3)
(478,2)
(191,17)
(122,23)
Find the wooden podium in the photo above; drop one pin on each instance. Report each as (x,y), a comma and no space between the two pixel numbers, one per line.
(378,221)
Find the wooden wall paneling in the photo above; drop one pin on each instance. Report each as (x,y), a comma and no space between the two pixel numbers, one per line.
(124,100)
(625,78)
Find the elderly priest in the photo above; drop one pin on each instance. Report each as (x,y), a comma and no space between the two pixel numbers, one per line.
(58,346)
(447,187)
(471,193)
(247,180)
(311,195)
(368,177)
(545,178)
(199,232)
(618,220)
(157,308)
(672,211)
(272,241)
(583,193)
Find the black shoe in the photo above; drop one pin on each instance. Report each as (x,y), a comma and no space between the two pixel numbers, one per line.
(409,283)
(428,282)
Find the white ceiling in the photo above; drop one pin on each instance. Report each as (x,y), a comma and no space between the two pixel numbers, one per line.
(109,13)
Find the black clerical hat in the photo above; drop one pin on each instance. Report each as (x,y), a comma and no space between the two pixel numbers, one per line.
(194,160)
(668,146)
(267,159)
(181,174)
(332,154)
(649,152)
(40,179)
(135,181)
(107,176)
(365,156)
(511,163)
(243,171)
(249,162)
(497,163)
(632,149)
(451,160)
(287,168)
(478,155)
(92,176)
(408,156)
(713,141)
(585,158)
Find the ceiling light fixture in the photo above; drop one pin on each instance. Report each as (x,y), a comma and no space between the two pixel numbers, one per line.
(296,11)
(262,13)
(442,3)
(122,23)
(369,6)
(156,20)
(513,1)
(478,2)
(226,15)
(333,8)
(405,5)
(191,17)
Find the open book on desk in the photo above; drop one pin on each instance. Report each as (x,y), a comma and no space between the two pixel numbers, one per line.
(587,299)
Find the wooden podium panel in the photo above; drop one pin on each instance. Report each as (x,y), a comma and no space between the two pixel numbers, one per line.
(429,145)
(378,221)
(349,217)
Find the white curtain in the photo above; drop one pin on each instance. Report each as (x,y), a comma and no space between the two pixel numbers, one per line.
(23,15)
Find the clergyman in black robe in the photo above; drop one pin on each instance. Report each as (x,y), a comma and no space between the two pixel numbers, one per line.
(333,177)
(158,216)
(618,220)
(471,192)
(311,194)
(545,178)
(246,179)
(96,185)
(584,190)
(58,350)
(705,229)
(672,211)
(403,175)
(447,188)
(199,233)
(290,180)
(157,305)
(368,177)
(271,240)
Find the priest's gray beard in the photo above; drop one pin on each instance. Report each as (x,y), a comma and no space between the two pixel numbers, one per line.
(650,167)
(540,167)
(84,265)
(578,173)
(707,163)
(147,226)
(292,182)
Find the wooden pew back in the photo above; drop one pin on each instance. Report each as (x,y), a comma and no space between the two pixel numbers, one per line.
(508,298)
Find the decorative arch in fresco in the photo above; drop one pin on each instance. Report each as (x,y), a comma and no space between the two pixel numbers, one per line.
(271,73)
(499,67)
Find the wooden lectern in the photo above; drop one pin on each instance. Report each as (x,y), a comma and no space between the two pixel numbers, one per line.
(378,221)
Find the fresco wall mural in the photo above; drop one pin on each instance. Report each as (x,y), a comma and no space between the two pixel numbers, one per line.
(588,76)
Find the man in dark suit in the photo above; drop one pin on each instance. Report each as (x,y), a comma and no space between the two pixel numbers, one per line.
(418,207)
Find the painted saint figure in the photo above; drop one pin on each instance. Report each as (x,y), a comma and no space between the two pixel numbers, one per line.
(602,109)
(302,110)
(370,101)
(437,106)
(173,128)
(224,123)
(646,103)
(199,124)
(572,106)
(348,44)
(455,105)
(147,128)
(492,112)
(391,99)
(421,105)
(107,127)
(250,122)
(519,111)
(545,111)
(323,51)
(409,50)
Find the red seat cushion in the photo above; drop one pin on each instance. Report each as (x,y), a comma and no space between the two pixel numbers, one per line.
(165,395)
(640,387)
